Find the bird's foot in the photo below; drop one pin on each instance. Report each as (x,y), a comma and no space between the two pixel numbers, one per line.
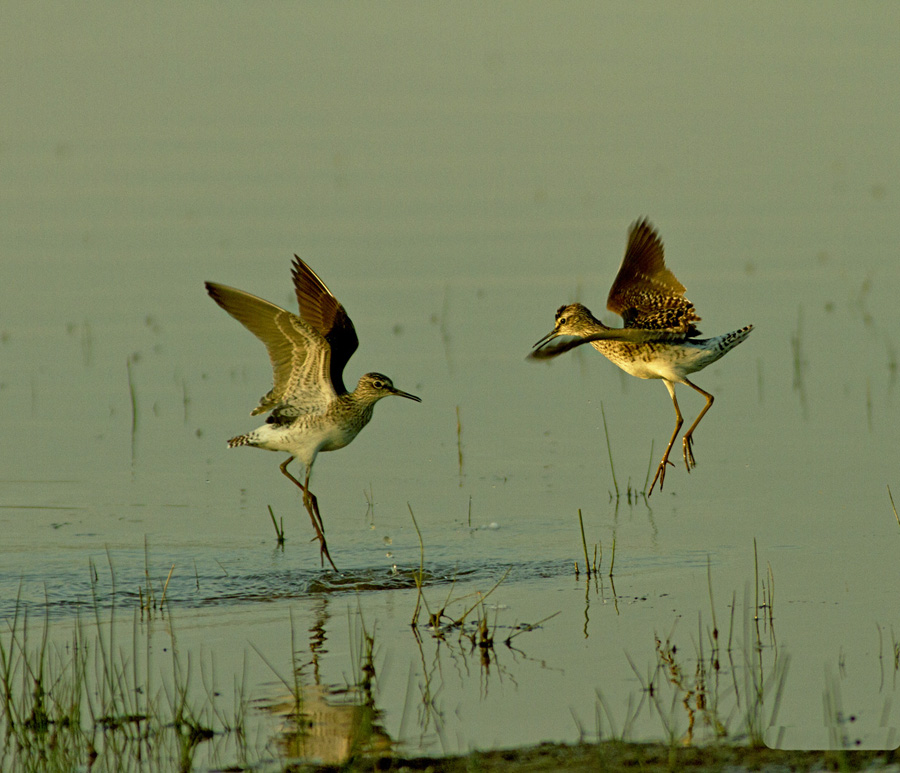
(323,553)
(660,473)
(312,507)
(687,443)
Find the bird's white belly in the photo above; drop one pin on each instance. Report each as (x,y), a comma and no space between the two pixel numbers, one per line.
(642,369)
(304,439)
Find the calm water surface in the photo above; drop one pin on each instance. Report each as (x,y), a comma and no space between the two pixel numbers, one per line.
(454,173)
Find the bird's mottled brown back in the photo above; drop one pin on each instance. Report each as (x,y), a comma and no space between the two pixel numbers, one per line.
(645,293)
(321,310)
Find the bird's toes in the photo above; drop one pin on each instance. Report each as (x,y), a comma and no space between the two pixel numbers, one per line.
(660,474)
(689,461)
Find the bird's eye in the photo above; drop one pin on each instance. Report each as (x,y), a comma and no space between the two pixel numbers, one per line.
(562,321)
(378,384)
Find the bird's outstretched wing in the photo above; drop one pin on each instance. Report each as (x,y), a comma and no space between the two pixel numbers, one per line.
(321,311)
(645,293)
(299,354)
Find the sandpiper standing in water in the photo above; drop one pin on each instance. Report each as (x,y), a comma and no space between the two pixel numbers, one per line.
(658,340)
(311,411)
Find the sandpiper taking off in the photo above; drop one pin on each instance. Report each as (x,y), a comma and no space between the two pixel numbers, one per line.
(311,411)
(658,340)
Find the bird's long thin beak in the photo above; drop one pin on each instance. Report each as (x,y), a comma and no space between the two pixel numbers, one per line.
(552,334)
(407,395)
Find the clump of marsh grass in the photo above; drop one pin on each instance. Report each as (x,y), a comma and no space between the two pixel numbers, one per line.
(148,601)
(442,620)
(461,624)
(82,699)
(478,639)
(719,687)
(593,567)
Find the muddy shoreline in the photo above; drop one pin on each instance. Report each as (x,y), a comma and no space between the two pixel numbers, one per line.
(619,756)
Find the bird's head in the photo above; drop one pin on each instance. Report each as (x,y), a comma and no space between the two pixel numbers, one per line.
(572,320)
(373,386)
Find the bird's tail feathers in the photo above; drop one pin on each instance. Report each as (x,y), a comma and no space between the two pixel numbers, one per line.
(242,440)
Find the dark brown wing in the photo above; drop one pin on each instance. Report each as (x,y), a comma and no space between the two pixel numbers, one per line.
(645,293)
(321,310)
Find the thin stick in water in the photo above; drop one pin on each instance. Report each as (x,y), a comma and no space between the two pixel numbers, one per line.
(609,450)
(279,532)
(459,444)
(587,563)
(712,604)
(524,627)
(162,599)
(755,583)
(612,559)
(420,577)
(134,413)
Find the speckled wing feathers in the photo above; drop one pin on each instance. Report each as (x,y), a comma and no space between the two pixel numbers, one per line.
(321,310)
(645,293)
(300,357)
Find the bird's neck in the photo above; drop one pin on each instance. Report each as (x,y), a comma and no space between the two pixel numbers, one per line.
(591,325)
(363,398)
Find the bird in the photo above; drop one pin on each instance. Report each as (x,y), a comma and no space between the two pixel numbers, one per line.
(658,340)
(309,408)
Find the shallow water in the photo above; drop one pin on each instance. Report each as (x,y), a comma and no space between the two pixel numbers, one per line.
(454,174)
